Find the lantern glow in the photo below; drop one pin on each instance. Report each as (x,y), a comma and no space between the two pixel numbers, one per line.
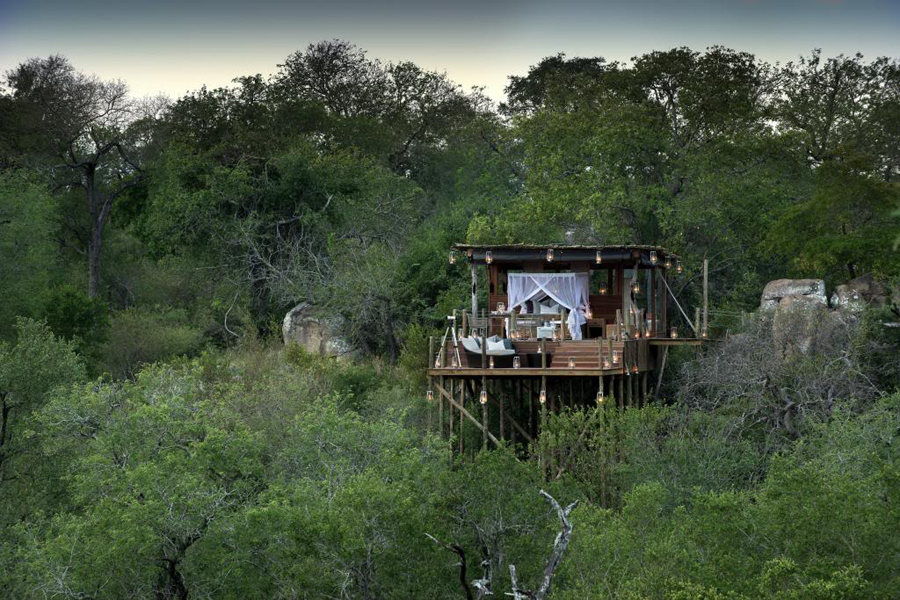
(654,258)
(483,397)
(543,397)
(488,257)
(549,254)
(429,395)
(599,257)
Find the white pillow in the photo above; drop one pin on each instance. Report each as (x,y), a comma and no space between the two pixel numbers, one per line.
(471,345)
(495,345)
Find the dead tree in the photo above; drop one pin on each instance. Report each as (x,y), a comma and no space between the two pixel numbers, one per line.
(482,586)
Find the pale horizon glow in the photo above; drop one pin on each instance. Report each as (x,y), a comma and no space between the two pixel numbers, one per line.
(176,47)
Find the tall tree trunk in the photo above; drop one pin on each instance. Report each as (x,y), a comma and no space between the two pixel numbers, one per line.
(93,254)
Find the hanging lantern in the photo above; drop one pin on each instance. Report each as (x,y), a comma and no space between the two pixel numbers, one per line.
(588,314)
(437,362)
(606,364)
(674,333)
(615,357)
(483,397)
(453,257)
(636,287)
(600,397)
(634,369)
(453,363)
(602,289)
(654,258)
(668,263)
(429,395)
(491,362)
(678,267)
(488,257)
(571,363)
(599,257)
(501,307)
(543,397)
(549,254)
(648,333)
(517,362)
(704,334)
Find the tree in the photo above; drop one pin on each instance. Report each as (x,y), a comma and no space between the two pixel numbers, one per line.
(91,148)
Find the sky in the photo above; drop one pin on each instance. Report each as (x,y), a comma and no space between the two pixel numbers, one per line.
(175,46)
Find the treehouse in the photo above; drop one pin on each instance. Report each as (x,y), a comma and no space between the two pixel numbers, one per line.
(563,325)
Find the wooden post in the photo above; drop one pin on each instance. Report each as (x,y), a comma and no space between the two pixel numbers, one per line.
(428,365)
(465,323)
(662,369)
(618,324)
(621,392)
(484,415)
(705,294)
(644,388)
(697,322)
(474,291)
(462,403)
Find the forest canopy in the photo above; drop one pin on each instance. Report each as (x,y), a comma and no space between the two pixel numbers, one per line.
(157,439)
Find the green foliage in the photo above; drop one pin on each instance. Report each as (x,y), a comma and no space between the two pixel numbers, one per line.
(72,315)
(26,248)
(138,336)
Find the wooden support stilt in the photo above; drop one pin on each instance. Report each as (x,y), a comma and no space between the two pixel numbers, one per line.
(463,412)
(514,425)
(449,407)
(462,404)
(484,410)
(662,369)
(620,394)
(644,388)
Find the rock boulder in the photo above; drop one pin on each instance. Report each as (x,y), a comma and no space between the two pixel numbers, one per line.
(857,293)
(813,290)
(302,325)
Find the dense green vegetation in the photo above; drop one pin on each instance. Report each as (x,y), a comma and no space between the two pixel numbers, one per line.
(158,441)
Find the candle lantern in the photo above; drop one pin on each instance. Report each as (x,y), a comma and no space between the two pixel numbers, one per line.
(634,369)
(588,314)
(571,363)
(517,362)
(668,263)
(483,397)
(488,257)
(636,287)
(549,254)
(599,258)
(704,334)
(437,362)
(654,258)
(606,364)
(453,362)
(453,257)
(602,289)
(615,357)
(491,362)
(429,395)
(501,307)
(674,333)
(600,397)
(543,397)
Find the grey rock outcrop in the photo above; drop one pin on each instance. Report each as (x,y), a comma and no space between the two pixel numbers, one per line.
(303,326)
(858,293)
(812,290)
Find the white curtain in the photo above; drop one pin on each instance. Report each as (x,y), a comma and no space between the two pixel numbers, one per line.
(571,290)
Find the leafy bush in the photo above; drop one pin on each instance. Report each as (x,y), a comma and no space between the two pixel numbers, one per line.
(138,336)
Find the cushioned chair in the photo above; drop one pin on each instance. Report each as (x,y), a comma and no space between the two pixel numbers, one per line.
(502,352)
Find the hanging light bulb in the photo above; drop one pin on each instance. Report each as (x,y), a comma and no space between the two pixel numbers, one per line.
(602,289)
(600,397)
(429,395)
(571,363)
(654,258)
(488,257)
(674,333)
(453,257)
(678,267)
(483,397)
(549,254)
(599,257)
(668,263)
(543,397)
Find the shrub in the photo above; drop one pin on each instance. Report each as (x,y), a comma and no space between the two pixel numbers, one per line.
(138,336)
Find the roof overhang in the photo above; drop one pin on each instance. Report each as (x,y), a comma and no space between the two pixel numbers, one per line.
(519,253)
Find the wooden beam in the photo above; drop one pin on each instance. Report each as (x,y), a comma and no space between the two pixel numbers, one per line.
(512,421)
(465,413)
(705,294)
